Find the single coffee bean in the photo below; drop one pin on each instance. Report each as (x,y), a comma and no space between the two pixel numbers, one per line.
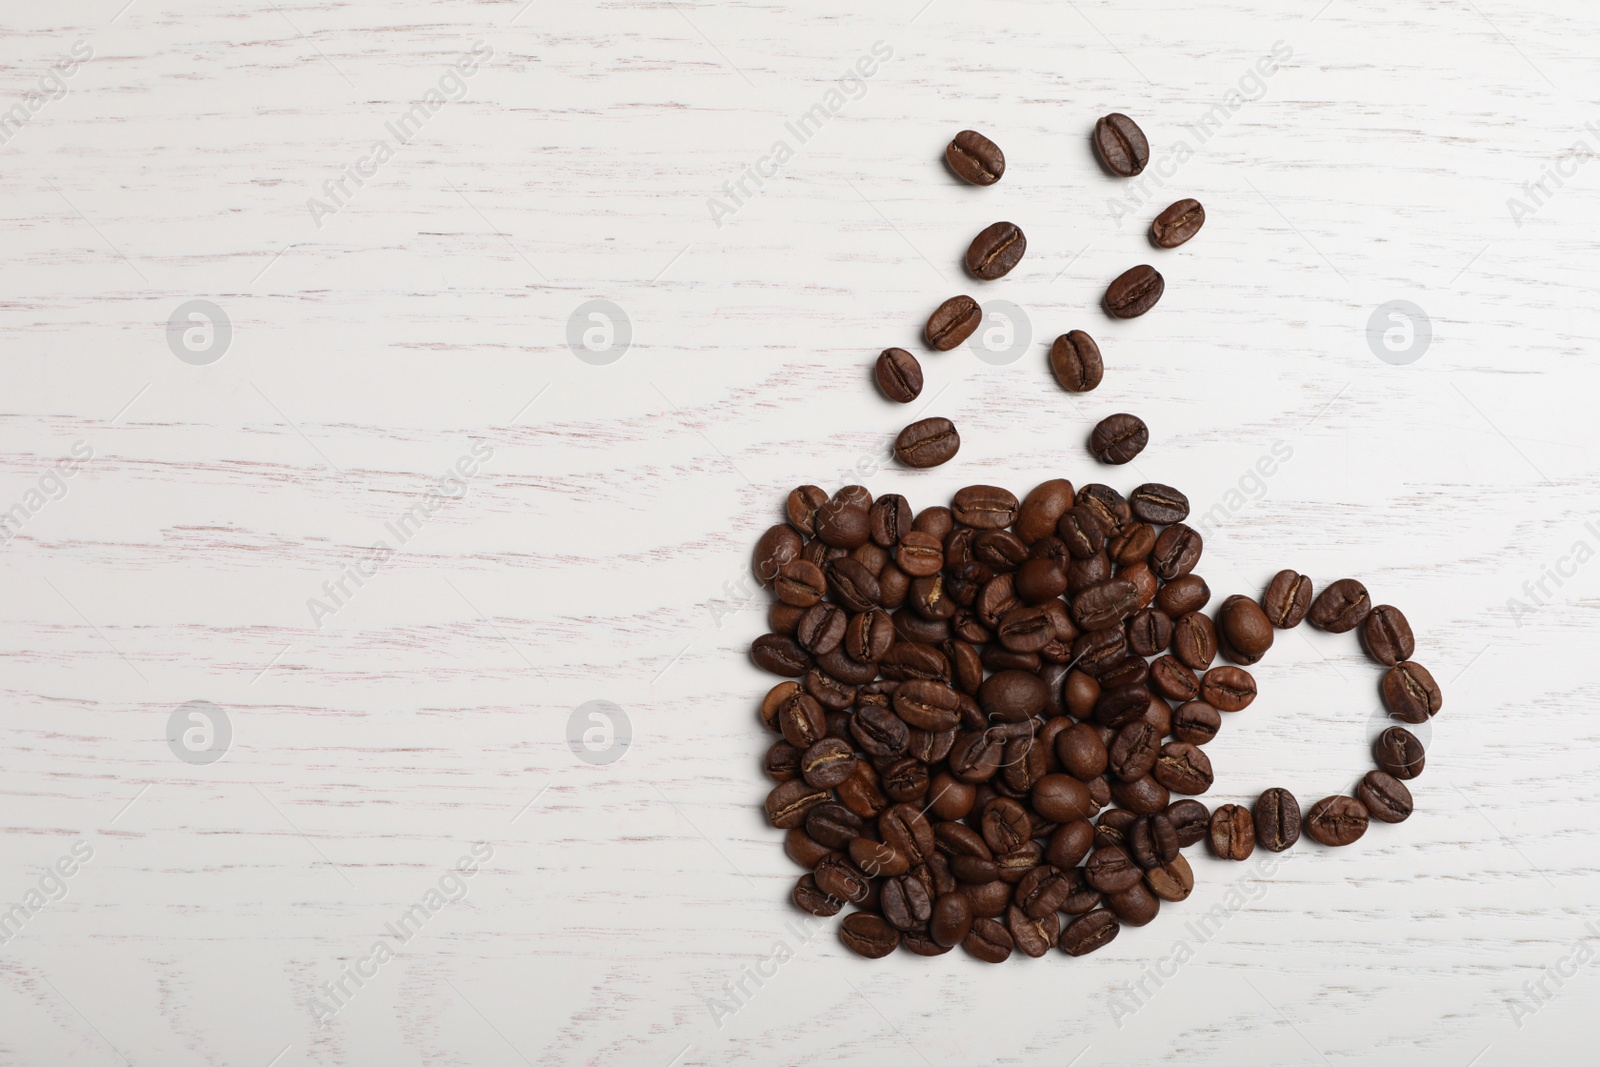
(1118,438)
(1178,223)
(784,618)
(1337,820)
(1068,845)
(777,546)
(1228,688)
(975,159)
(1088,932)
(1387,636)
(1040,581)
(927,443)
(1043,890)
(1398,752)
(1149,631)
(1196,722)
(1172,881)
(868,935)
(1190,820)
(1158,504)
(1075,361)
(808,898)
(1105,605)
(1244,628)
(989,941)
(920,555)
(1081,530)
(801,508)
(1112,870)
(1136,906)
(801,583)
(1119,706)
(1177,551)
(1012,696)
(1081,752)
(1410,693)
(789,802)
(1134,292)
(821,628)
(1062,798)
(906,902)
(899,375)
(952,919)
(1183,768)
(880,731)
(780,655)
(1277,819)
(828,763)
(1134,752)
(782,762)
(1108,506)
(984,507)
(1287,599)
(1385,797)
(1233,832)
(1121,145)
(1132,545)
(833,825)
(844,521)
(996,250)
(952,322)
(1341,607)
(1183,595)
(928,705)
(1033,936)
(1042,509)
(868,636)
(876,859)
(1194,640)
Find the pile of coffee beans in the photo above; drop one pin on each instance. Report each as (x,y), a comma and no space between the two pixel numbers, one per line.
(994,722)
(1124,151)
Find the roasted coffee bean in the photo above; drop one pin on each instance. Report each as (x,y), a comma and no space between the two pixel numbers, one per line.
(789,802)
(1120,706)
(1336,820)
(1042,509)
(936,521)
(801,508)
(1173,679)
(821,628)
(952,322)
(899,375)
(777,546)
(1001,551)
(989,899)
(1088,932)
(1190,821)
(1033,936)
(894,585)
(1244,629)
(1108,506)
(1114,826)
(772,704)
(1183,595)
(1042,891)
(1039,581)
(1149,632)
(906,902)
(780,655)
(880,731)
(1068,844)
(989,941)
(1228,688)
(888,520)
(1012,696)
(927,443)
(1196,722)
(984,507)
(808,898)
(1026,629)
(828,762)
(861,792)
(1144,581)
(868,636)
(833,825)
(975,757)
(1385,797)
(1287,599)
(1112,870)
(1132,545)
(1121,145)
(1081,692)
(1398,752)
(876,859)
(1083,755)
(952,919)
(1135,907)
(852,584)
(828,691)
(1130,670)
(840,665)
(920,555)
(1177,551)
(1134,752)
(908,832)
(1277,819)
(996,250)
(1118,438)
(975,159)
(1006,826)
(782,762)
(1105,605)
(1194,640)
(1233,832)
(844,522)
(928,705)
(1178,223)
(1062,798)
(784,618)
(1341,607)
(1076,362)
(1082,531)
(1386,635)
(1134,292)
(1183,768)
(1159,504)
(868,935)
(1410,693)
(801,583)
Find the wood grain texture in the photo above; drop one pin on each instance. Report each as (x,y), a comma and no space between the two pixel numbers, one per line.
(600,552)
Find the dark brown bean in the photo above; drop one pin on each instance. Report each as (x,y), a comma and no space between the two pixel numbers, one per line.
(868,935)
(1076,362)
(1336,820)
(1120,145)
(1088,932)
(996,250)
(927,443)
(1178,223)
(1341,607)
(1410,693)
(1386,635)
(899,375)
(1134,292)
(1158,504)
(975,159)
(1287,599)
(1233,832)
(1385,797)
(1398,752)
(1277,819)
(1228,688)
(952,322)
(1119,438)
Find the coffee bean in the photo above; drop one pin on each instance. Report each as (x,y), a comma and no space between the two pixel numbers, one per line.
(779,654)
(1228,688)
(1177,552)
(868,935)
(1183,595)
(1119,706)
(1287,599)
(1062,798)
(906,903)
(1040,581)
(800,583)
(1118,438)
(1105,604)
(789,802)
(1386,635)
(1196,722)
(1336,820)
(952,919)
(1121,145)
(1172,881)
(1033,936)
(777,546)
(975,159)
(1136,906)
(808,898)
(1244,629)
(1159,504)
(995,251)
(833,825)
(899,375)
(1076,363)
(1277,819)
(1183,768)
(1042,508)
(1190,820)
(1178,223)
(1112,870)
(1043,890)
(1012,696)
(1134,292)
(1133,544)
(1410,693)
(1134,751)
(989,941)
(828,763)
(1385,797)
(782,761)
(984,507)
(1233,832)
(801,508)
(821,628)
(1194,640)
(1398,752)
(852,584)
(1149,631)
(1088,932)
(1341,607)
(880,731)
(927,443)
(952,322)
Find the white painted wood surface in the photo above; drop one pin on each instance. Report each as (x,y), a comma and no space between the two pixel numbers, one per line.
(600,552)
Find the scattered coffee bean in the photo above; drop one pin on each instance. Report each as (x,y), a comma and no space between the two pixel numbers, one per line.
(1233,832)
(1410,693)
(975,159)
(1287,599)
(1243,627)
(1177,224)
(899,375)
(927,443)
(989,941)
(1172,881)
(868,935)
(1385,797)
(996,250)
(1088,932)
(1398,752)
(1075,361)
(1341,607)
(1336,820)
(1121,145)
(1277,820)
(1134,292)
(1160,505)
(1190,821)
(1118,438)
(1386,635)
(952,322)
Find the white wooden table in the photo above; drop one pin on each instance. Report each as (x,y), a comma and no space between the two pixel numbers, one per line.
(382,715)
